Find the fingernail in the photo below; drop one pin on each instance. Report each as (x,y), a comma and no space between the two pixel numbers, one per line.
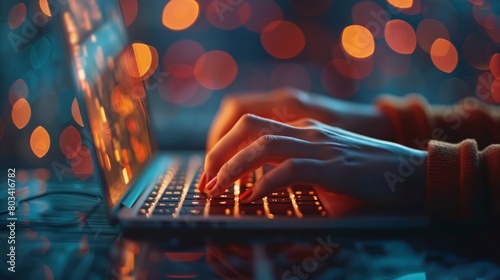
(210,185)
(201,183)
(244,196)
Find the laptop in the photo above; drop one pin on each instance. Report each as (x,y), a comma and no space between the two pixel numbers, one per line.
(144,187)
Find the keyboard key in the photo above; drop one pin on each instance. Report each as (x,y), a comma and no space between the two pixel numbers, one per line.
(191,210)
(251,210)
(191,196)
(175,187)
(195,202)
(222,202)
(172,193)
(166,204)
(164,211)
(281,210)
(312,211)
(279,193)
(306,197)
(257,202)
(221,210)
(308,202)
(170,198)
(279,200)
(224,196)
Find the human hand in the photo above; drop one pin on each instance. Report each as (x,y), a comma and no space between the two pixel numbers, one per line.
(308,152)
(288,104)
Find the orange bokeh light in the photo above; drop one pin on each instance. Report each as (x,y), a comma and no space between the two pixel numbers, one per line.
(129,11)
(70,142)
(283,39)
(180,14)
(495,65)
(21,113)
(18,90)
(400,36)
(121,103)
(40,141)
(44,6)
(401,4)
(75,112)
(358,41)
(444,55)
(428,31)
(17,15)
(144,62)
(215,70)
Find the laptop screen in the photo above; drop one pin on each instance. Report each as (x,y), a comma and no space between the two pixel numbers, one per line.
(113,94)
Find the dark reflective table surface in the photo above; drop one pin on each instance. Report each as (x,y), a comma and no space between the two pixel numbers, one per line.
(53,241)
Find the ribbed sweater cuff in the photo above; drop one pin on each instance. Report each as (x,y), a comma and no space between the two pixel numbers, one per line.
(454,179)
(409,118)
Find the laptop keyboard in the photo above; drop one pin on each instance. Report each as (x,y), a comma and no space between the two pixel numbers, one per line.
(175,193)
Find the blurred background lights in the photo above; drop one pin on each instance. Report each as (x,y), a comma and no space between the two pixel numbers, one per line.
(18,90)
(21,113)
(495,65)
(401,4)
(70,142)
(44,7)
(495,90)
(17,15)
(428,31)
(357,41)
(75,112)
(290,75)
(444,55)
(215,70)
(400,36)
(370,15)
(228,15)
(40,141)
(146,58)
(283,39)
(81,164)
(130,9)
(268,11)
(180,14)
(310,8)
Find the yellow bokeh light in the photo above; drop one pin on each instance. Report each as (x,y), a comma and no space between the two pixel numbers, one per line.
(40,141)
(401,4)
(44,6)
(180,14)
(358,41)
(444,55)
(21,113)
(143,58)
(75,112)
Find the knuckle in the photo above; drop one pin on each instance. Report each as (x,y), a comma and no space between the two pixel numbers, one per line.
(293,165)
(210,157)
(316,133)
(247,119)
(265,140)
